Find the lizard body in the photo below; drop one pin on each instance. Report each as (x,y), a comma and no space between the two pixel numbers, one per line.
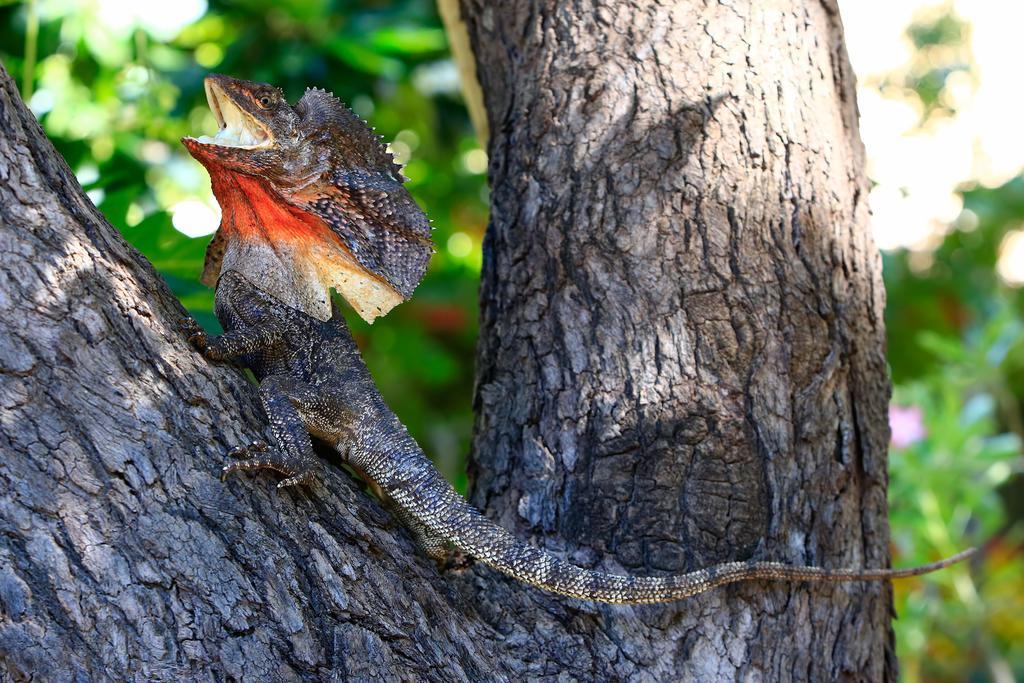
(310,201)
(313,381)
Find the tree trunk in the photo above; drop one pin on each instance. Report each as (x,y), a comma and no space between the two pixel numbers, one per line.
(681,362)
(681,355)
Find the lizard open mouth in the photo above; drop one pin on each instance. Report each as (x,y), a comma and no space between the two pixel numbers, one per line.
(237,128)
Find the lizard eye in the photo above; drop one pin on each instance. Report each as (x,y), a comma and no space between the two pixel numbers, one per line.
(265,101)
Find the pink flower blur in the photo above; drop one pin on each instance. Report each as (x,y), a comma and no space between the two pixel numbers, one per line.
(907,425)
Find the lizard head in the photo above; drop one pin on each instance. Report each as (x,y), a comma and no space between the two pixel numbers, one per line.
(314,182)
(258,131)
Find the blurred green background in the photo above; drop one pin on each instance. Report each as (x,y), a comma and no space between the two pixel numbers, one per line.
(116,83)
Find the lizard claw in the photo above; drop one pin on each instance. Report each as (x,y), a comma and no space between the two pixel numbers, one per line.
(200,340)
(255,456)
(195,333)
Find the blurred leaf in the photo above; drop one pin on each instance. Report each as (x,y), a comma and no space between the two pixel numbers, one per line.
(946,348)
(408,40)
(945,29)
(365,59)
(171,252)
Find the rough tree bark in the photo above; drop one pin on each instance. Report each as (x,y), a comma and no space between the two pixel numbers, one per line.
(681,362)
(681,354)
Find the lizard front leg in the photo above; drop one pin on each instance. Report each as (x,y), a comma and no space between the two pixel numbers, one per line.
(233,344)
(295,458)
(295,410)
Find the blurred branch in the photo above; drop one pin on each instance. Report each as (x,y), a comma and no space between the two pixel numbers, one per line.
(462,53)
(28,73)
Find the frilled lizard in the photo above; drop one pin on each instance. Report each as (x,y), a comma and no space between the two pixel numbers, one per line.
(311,199)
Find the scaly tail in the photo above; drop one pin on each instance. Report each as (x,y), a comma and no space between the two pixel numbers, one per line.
(424,495)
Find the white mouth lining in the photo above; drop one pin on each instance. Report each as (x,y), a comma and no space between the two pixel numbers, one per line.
(236,128)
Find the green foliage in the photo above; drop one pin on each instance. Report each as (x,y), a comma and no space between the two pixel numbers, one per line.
(944,496)
(115,92)
(957,355)
(954,290)
(956,344)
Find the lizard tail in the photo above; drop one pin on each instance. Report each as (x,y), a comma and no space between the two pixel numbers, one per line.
(424,495)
